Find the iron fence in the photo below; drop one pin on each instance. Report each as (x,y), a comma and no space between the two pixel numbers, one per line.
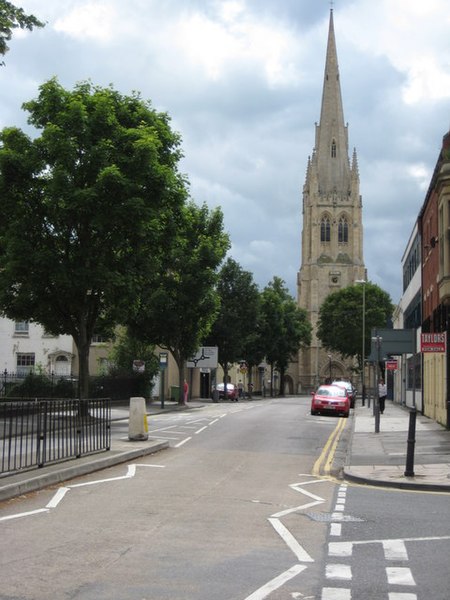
(37,432)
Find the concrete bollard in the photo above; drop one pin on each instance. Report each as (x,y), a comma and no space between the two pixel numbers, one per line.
(137,422)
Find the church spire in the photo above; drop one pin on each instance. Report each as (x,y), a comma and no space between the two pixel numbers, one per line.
(331,133)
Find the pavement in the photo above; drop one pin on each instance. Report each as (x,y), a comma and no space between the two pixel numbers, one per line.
(369,458)
(381,458)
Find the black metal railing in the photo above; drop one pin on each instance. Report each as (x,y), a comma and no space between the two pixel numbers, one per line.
(37,432)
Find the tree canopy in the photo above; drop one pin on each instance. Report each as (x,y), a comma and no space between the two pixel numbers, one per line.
(236,322)
(84,206)
(285,327)
(13,17)
(177,310)
(340,321)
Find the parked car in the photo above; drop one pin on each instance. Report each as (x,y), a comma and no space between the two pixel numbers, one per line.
(232,392)
(330,399)
(351,391)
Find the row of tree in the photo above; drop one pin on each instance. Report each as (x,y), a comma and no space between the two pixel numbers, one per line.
(98,230)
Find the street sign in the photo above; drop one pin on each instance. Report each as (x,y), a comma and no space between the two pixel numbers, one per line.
(391,365)
(206,356)
(392,342)
(433,342)
(163,357)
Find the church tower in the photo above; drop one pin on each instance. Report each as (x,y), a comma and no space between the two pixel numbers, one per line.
(332,235)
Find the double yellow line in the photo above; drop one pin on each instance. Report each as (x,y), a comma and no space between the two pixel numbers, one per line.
(322,466)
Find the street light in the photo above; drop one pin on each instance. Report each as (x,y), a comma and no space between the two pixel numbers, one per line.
(363,353)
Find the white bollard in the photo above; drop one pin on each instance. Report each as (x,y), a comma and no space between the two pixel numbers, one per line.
(137,422)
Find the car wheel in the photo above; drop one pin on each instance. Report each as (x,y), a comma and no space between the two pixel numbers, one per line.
(313,412)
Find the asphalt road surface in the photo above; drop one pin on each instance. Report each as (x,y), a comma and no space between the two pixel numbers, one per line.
(231,511)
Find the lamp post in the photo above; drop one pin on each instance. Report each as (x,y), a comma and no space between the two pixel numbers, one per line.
(363,352)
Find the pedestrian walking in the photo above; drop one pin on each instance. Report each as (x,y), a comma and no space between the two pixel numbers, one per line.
(382,393)
(185,391)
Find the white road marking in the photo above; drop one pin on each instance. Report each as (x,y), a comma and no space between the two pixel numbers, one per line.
(57,497)
(290,541)
(277,582)
(336,571)
(335,529)
(339,507)
(182,442)
(340,548)
(395,550)
(401,596)
(399,576)
(24,514)
(336,594)
(130,473)
(289,511)
(201,429)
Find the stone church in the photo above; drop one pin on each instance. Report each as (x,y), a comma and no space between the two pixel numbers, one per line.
(332,234)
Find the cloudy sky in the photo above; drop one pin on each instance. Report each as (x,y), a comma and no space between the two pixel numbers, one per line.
(242,82)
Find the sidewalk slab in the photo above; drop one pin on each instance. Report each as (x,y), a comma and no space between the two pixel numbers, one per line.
(380,458)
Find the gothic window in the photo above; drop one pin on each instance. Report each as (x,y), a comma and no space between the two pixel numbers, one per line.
(325,229)
(343,231)
(333,149)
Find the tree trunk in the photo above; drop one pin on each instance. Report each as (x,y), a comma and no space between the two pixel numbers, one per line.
(83,344)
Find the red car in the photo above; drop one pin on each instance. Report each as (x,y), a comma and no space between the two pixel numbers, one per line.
(330,399)
(232,392)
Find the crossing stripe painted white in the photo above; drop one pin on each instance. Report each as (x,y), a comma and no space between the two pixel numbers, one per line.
(339,507)
(336,594)
(340,548)
(335,529)
(399,576)
(290,541)
(277,582)
(395,550)
(401,596)
(338,571)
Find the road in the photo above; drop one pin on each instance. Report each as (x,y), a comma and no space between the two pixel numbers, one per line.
(231,511)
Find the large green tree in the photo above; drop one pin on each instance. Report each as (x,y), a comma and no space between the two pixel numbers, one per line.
(177,311)
(285,328)
(340,323)
(83,208)
(13,17)
(236,322)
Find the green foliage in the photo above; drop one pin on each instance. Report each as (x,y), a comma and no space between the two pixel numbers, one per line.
(37,385)
(12,17)
(127,349)
(85,210)
(235,326)
(341,318)
(285,327)
(177,310)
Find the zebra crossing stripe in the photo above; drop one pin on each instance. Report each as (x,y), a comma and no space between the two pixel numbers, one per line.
(336,594)
(399,576)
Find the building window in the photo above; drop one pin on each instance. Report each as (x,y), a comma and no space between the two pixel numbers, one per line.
(325,230)
(99,339)
(343,231)
(21,327)
(25,363)
(333,149)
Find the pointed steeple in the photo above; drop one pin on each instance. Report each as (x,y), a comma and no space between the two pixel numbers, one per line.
(331,133)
